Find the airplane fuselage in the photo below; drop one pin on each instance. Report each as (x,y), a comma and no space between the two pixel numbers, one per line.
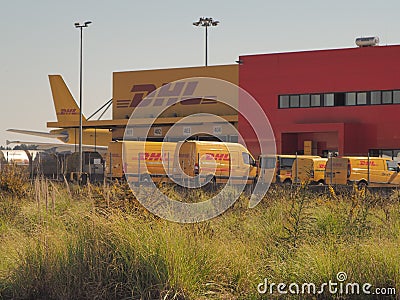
(90,136)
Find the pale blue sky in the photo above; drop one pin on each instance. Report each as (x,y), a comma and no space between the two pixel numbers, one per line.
(38,38)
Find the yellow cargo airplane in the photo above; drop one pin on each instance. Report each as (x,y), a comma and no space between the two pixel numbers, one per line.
(68,111)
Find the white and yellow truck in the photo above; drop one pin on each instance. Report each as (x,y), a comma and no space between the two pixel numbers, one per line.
(362,171)
(310,170)
(140,161)
(200,162)
(280,167)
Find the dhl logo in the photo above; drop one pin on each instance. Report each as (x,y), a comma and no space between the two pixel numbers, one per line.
(68,111)
(153,156)
(217,156)
(322,166)
(365,163)
(167,95)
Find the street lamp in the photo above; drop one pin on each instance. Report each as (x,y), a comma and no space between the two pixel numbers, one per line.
(81,26)
(206,22)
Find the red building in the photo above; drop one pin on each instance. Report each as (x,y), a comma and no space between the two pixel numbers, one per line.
(345,100)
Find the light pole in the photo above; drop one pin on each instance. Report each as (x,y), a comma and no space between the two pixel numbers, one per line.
(81,26)
(206,22)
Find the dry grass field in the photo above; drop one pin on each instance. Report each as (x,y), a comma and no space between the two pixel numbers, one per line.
(60,241)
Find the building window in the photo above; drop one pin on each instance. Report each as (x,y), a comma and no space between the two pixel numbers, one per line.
(339,99)
(376,98)
(387,97)
(284,101)
(350,99)
(329,100)
(304,100)
(315,100)
(396,97)
(362,98)
(294,100)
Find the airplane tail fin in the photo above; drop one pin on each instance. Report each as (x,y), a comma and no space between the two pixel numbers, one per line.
(64,104)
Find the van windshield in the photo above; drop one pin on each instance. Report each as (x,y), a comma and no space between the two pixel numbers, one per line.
(268,162)
(247,159)
(286,163)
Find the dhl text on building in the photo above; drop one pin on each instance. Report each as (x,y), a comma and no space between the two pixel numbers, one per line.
(139,88)
(133,88)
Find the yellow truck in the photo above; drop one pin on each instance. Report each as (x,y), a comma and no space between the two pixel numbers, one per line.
(200,162)
(362,171)
(309,170)
(279,167)
(140,161)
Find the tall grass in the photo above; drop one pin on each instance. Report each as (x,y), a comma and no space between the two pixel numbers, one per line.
(98,242)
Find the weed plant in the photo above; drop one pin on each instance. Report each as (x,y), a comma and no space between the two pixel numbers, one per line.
(59,241)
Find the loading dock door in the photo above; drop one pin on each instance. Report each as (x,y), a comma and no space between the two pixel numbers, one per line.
(294,142)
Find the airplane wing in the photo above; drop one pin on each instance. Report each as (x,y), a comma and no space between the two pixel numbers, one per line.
(62,147)
(39,133)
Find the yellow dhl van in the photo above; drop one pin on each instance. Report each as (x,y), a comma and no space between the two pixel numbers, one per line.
(215,162)
(140,161)
(309,170)
(279,167)
(363,171)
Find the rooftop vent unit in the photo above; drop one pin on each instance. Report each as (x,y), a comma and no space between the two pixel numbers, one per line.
(367,41)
